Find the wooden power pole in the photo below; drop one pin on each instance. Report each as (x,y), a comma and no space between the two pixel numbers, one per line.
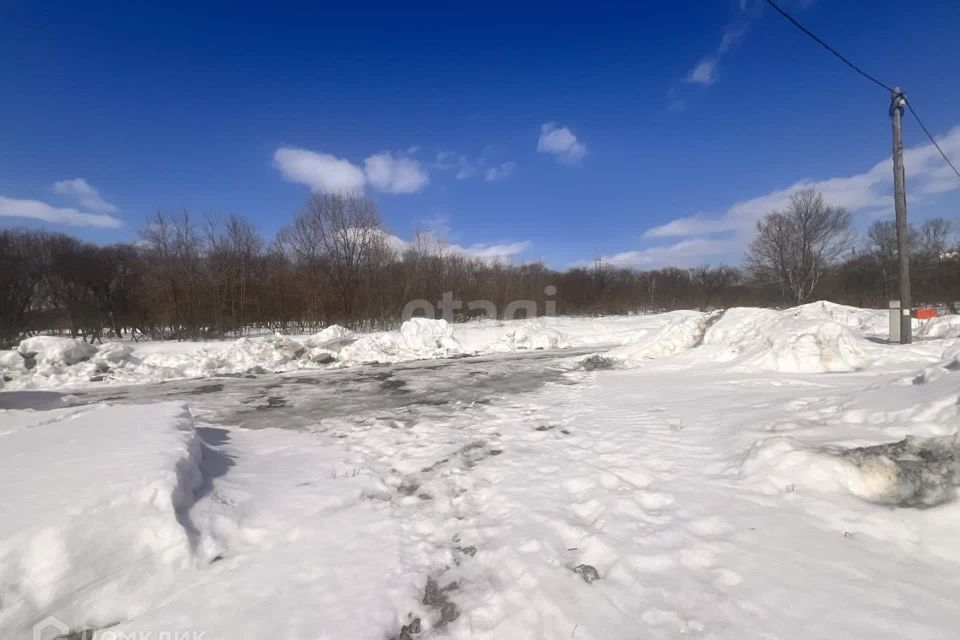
(897,102)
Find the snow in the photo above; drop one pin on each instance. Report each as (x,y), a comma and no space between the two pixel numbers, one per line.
(674,338)
(818,337)
(787,342)
(940,327)
(90,520)
(534,334)
(738,474)
(418,338)
(50,350)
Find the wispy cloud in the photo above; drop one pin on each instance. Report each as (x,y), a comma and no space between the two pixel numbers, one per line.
(703,237)
(493,252)
(500,172)
(37,210)
(84,194)
(490,253)
(561,143)
(684,253)
(465,167)
(705,71)
(326,173)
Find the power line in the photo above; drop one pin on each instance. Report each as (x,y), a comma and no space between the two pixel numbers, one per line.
(866,75)
(920,122)
(828,47)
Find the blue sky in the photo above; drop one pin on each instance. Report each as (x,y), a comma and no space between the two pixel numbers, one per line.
(646,133)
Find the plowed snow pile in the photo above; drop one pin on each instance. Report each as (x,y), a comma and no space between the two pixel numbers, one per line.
(813,338)
(45,362)
(533,334)
(785,341)
(816,338)
(862,321)
(90,520)
(418,338)
(675,338)
(940,327)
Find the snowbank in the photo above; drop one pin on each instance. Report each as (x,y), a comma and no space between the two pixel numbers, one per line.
(863,321)
(418,338)
(800,340)
(940,327)
(92,503)
(47,351)
(788,341)
(813,338)
(329,336)
(678,337)
(53,362)
(530,335)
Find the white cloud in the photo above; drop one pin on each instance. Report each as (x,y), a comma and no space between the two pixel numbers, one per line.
(704,72)
(395,174)
(37,210)
(326,173)
(561,143)
(490,253)
(702,237)
(499,173)
(84,193)
(493,252)
(322,172)
(685,253)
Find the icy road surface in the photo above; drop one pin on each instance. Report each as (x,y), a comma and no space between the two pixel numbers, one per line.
(305,399)
(513,495)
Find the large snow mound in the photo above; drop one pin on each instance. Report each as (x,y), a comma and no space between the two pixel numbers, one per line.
(785,341)
(800,340)
(418,338)
(329,336)
(674,338)
(48,351)
(941,327)
(863,321)
(531,335)
(92,503)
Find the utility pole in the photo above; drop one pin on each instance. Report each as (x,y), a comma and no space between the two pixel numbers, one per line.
(897,102)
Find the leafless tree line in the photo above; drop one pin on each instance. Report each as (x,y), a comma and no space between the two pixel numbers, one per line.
(191,278)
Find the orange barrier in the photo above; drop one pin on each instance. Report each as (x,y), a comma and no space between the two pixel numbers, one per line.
(924,314)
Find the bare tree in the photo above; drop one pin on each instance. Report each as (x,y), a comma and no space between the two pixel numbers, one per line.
(20,275)
(933,239)
(338,233)
(793,247)
(713,281)
(176,250)
(234,247)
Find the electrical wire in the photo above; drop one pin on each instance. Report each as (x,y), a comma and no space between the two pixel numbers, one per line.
(944,155)
(866,75)
(828,47)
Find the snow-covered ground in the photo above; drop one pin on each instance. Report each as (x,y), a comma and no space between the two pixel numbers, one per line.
(747,474)
(815,337)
